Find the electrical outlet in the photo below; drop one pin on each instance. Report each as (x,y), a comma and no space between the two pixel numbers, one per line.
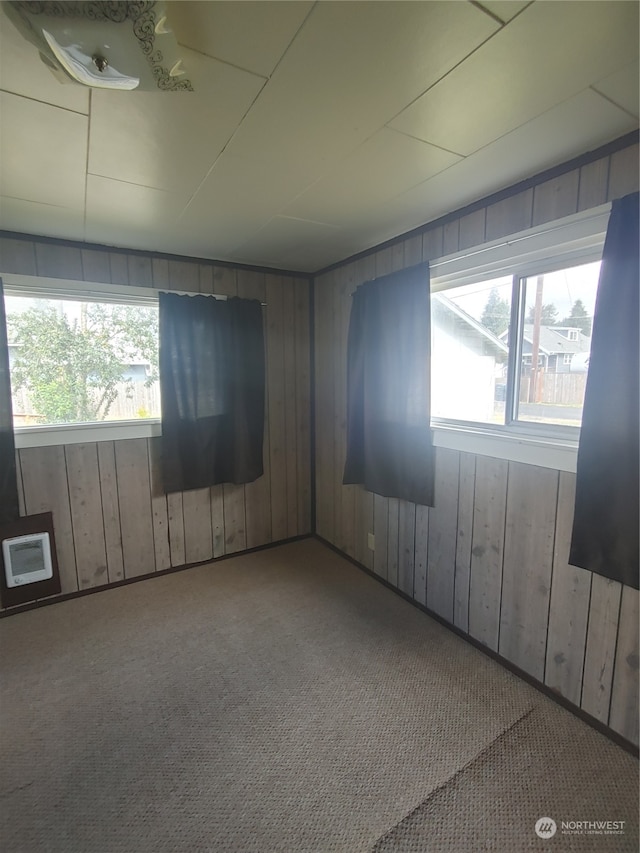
(371,542)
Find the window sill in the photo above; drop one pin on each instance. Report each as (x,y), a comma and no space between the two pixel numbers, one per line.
(514,446)
(47,436)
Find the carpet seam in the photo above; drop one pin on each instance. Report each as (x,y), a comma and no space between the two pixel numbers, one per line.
(455,775)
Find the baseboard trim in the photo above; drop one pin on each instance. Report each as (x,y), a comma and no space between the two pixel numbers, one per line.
(609,733)
(79,593)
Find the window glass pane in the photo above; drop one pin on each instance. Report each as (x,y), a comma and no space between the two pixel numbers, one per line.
(81,362)
(469,351)
(556,343)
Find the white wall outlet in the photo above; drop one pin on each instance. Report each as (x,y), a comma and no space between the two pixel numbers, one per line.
(371,542)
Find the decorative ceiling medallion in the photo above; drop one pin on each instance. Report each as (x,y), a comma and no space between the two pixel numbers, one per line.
(88,42)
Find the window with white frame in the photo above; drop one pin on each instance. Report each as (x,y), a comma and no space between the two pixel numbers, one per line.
(511,330)
(81,358)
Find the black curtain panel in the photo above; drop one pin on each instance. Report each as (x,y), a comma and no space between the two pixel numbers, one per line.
(8,480)
(213,390)
(389,447)
(607,510)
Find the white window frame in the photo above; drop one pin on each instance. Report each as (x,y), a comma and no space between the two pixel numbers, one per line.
(56,288)
(568,242)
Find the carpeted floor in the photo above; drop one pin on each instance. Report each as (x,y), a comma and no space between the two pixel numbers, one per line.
(283,702)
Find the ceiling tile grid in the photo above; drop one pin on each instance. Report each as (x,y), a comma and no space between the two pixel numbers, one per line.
(315,130)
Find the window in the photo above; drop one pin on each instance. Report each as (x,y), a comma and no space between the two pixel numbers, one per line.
(78,360)
(511,330)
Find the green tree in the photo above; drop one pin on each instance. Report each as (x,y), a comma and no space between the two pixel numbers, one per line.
(548,317)
(496,314)
(579,318)
(71,368)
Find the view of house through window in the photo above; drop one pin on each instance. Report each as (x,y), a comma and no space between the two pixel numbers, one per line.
(556,341)
(471,336)
(81,362)
(468,355)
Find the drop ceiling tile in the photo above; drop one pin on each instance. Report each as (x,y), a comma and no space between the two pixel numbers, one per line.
(130,215)
(235,200)
(352,67)
(579,124)
(47,220)
(23,73)
(284,237)
(251,35)
(385,165)
(169,140)
(623,88)
(547,54)
(43,152)
(505,9)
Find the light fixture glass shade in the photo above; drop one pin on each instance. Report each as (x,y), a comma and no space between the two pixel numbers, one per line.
(114,45)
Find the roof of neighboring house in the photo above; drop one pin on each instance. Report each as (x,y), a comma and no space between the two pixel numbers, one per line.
(490,343)
(553,342)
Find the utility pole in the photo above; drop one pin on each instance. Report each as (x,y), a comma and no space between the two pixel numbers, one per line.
(535,342)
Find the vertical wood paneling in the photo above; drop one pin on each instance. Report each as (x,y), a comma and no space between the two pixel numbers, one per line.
(184,275)
(235,535)
(110,510)
(277,416)
(217,520)
(421,554)
(432,242)
(532,495)
(451,237)
(623,172)
(323,290)
(624,696)
(83,476)
(55,261)
(196,512)
(160,273)
(95,265)
(289,355)
(17,256)
(134,494)
(463,541)
(594,179)
(472,229)
(556,198)
(175,521)
(158,507)
(406,546)
(569,608)
(257,494)
(303,405)
(139,271)
(602,632)
(509,216)
(119,267)
(44,478)
(487,547)
(443,525)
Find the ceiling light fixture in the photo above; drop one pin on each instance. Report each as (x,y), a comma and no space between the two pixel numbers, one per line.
(104,45)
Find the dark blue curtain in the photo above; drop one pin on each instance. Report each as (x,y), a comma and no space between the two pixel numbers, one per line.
(389,447)
(607,510)
(212,388)
(8,481)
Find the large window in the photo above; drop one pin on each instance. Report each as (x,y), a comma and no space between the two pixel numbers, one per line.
(74,360)
(511,331)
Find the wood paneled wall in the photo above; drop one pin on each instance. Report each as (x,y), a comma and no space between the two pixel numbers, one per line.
(111,519)
(491,556)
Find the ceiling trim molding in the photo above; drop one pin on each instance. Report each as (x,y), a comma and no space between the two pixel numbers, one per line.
(609,148)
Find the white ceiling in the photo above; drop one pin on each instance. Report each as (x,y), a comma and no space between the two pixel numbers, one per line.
(316,130)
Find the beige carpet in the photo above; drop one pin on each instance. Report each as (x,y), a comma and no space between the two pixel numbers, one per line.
(280,701)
